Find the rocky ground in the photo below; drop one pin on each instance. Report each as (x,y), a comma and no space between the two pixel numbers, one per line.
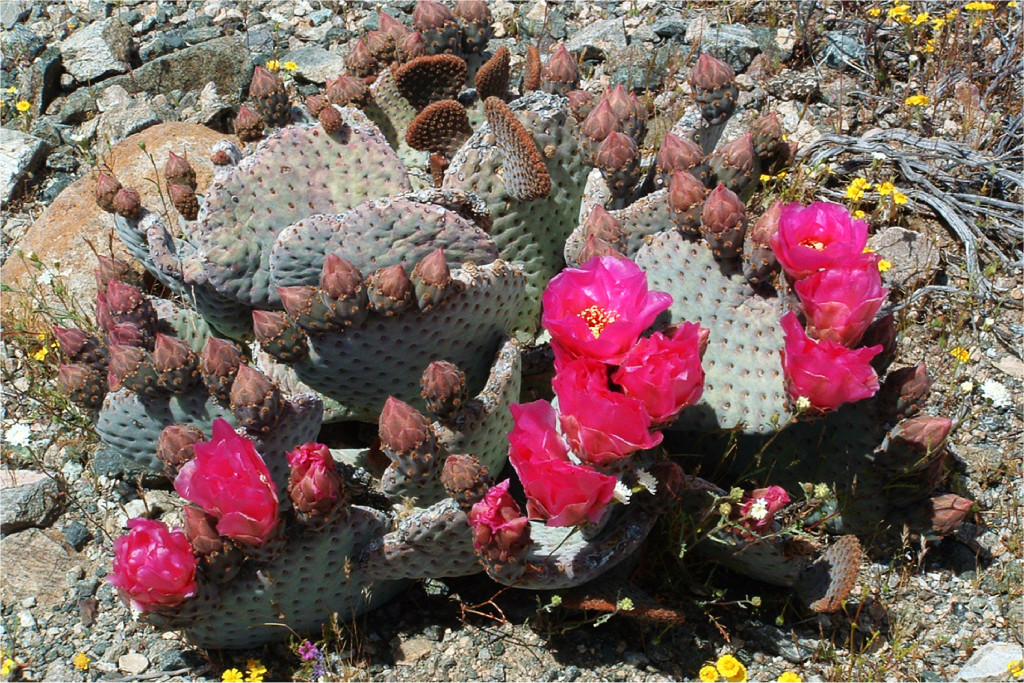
(94,73)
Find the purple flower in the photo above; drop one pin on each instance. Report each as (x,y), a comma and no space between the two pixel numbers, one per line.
(308,651)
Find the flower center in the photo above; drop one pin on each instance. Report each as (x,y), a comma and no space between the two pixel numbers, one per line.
(813,244)
(597,319)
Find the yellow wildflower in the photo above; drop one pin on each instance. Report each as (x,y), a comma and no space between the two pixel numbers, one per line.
(855,190)
(899,198)
(6,664)
(708,674)
(961,354)
(731,668)
(23,106)
(884,266)
(921,18)
(789,677)
(938,23)
(979,7)
(951,14)
(898,11)
(874,12)
(859,215)
(1016,667)
(273,65)
(929,46)
(765,177)
(1012,3)
(232,676)
(12,90)
(781,174)
(81,661)
(255,671)
(918,101)
(886,188)
(290,66)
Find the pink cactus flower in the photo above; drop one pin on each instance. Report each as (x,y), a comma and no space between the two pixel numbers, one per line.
(601,425)
(500,530)
(557,490)
(824,372)
(818,236)
(315,485)
(228,479)
(758,509)
(153,566)
(841,302)
(599,310)
(664,373)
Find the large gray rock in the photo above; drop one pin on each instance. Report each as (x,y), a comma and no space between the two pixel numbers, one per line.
(13,11)
(39,83)
(123,115)
(734,44)
(20,155)
(913,257)
(596,40)
(841,50)
(20,44)
(315,64)
(98,50)
(43,561)
(989,662)
(27,499)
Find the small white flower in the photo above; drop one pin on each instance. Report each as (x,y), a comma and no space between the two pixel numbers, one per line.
(988,324)
(821,491)
(18,435)
(912,59)
(46,278)
(759,510)
(622,492)
(996,392)
(647,480)
(879,156)
(967,387)
(803,403)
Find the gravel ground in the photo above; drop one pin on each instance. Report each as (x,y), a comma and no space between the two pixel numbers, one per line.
(919,612)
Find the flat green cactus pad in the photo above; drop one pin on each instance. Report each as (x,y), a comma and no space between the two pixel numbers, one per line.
(744,387)
(376,234)
(296,172)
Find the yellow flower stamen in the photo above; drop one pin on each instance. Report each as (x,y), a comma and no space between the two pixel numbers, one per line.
(597,319)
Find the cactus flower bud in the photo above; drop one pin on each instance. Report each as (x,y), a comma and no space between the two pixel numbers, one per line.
(264,83)
(677,154)
(106,189)
(359,60)
(595,247)
(316,103)
(465,479)
(153,566)
(600,122)
(948,512)
(82,383)
(604,226)
(255,401)
(219,364)
(905,390)
(765,227)
(127,203)
(176,365)
(339,279)
(178,171)
(500,530)
(560,74)
(174,447)
(345,90)
(444,388)
(77,345)
(126,334)
(723,222)
(110,268)
(617,152)
(201,530)
(128,363)
(248,124)
(123,298)
(103,317)
(390,290)
(402,428)
(278,337)
(882,332)
(184,200)
(685,192)
(432,279)
(474,11)
(710,73)
(331,119)
(228,479)
(924,434)
(314,485)
(390,26)
(414,46)
(429,14)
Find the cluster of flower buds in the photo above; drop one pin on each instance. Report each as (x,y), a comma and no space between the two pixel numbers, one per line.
(614,387)
(822,250)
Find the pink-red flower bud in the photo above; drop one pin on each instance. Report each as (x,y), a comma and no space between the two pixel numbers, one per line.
(153,566)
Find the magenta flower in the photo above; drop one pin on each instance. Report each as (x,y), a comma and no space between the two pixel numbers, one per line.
(153,566)
(825,373)
(664,373)
(601,425)
(818,236)
(759,508)
(229,480)
(315,485)
(557,490)
(841,302)
(500,529)
(599,310)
